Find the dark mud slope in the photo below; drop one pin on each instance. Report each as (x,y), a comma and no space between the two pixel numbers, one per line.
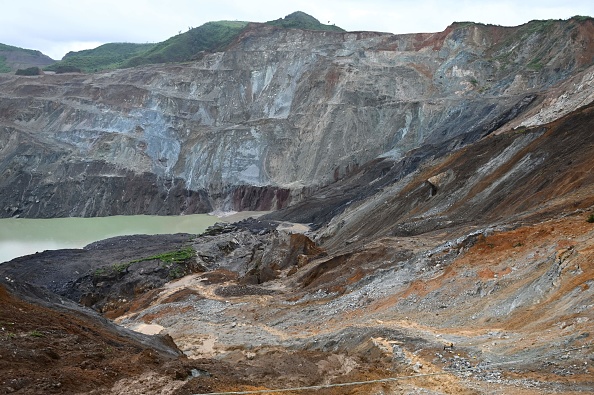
(523,175)
(106,273)
(51,345)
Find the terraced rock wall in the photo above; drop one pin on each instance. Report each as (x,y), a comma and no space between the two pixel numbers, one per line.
(273,118)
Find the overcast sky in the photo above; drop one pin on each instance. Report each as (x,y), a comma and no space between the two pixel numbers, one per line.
(57,26)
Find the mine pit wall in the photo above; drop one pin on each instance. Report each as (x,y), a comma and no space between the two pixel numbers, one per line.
(236,129)
(255,198)
(96,195)
(41,184)
(100,195)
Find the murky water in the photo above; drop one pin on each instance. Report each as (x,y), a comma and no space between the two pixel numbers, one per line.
(22,236)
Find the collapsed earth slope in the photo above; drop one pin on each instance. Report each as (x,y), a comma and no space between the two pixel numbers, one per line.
(52,345)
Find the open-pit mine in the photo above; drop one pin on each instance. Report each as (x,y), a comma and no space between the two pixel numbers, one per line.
(426,227)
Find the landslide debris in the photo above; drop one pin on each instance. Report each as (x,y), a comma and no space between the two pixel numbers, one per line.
(50,345)
(473,275)
(107,275)
(521,176)
(454,276)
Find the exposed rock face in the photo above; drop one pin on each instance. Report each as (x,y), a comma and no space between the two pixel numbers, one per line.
(256,251)
(476,268)
(277,115)
(458,257)
(507,177)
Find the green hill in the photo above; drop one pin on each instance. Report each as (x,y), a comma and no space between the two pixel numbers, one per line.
(107,56)
(14,58)
(301,20)
(215,36)
(212,36)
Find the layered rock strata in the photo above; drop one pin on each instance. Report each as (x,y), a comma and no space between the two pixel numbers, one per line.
(277,115)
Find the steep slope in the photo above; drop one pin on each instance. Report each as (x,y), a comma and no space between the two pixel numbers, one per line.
(473,275)
(455,259)
(51,345)
(279,114)
(513,176)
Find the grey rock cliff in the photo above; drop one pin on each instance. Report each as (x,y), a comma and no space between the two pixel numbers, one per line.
(276,116)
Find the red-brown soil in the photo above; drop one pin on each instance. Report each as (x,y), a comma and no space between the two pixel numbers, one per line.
(57,351)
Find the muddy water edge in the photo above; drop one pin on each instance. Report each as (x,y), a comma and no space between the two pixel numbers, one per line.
(23,236)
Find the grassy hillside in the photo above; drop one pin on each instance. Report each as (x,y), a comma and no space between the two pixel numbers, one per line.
(13,58)
(107,56)
(301,20)
(211,36)
(3,66)
(10,48)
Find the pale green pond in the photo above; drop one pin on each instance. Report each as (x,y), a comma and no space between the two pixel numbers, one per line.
(23,236)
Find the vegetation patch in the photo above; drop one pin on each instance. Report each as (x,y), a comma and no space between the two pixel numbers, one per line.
(168,258)
(121,267)
(171,257)
(10,335)
(36,333)
(590,219)
(10,48)
(100,272)
(4,330)
(26,57)
(61,69)
(184,47)
(104,57)
(581,18)
(3,66)
(176,272)
(535,65)
(538,26)
(211,37)
(301,20)
(29,71)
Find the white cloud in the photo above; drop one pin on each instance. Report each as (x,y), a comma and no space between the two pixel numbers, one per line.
(58,26)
